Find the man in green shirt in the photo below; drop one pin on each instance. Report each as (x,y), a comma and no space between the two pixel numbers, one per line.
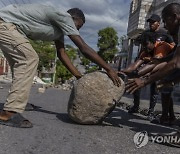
(38,22)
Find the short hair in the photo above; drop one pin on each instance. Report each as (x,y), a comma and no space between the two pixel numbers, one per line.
(148,37)
(170,9)
(77,13)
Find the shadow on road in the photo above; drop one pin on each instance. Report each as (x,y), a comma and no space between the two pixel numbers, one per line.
(61,116)
(120,118)
(65,118)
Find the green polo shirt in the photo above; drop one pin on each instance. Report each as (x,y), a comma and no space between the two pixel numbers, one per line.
(39,22)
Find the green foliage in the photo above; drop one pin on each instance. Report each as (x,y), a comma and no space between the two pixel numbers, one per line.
(61,71)
(71,52)
(85,61)
(107,43)
(92,69)
(46,52)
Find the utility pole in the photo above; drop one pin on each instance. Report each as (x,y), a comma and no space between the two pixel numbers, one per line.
(54,74)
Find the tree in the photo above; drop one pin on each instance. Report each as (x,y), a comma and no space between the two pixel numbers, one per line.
(47,55)
(107,43)
(61,71)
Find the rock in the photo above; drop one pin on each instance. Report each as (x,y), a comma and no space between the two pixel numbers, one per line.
(42,90)
(93,97)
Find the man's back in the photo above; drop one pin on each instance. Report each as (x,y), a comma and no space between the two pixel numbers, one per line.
(39,22)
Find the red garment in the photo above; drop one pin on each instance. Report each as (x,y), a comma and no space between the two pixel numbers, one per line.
(162,49)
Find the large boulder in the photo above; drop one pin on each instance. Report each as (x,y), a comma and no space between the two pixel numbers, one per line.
(93,97)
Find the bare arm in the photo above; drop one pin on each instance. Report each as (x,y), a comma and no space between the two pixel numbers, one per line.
(132,66)
(93,56)
(167,69)
(65,59)
(146,69)
(172,65)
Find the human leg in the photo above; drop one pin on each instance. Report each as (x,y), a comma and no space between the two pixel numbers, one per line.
(167,105)
(23,61)
(153,100)
(153,96)
(135,107)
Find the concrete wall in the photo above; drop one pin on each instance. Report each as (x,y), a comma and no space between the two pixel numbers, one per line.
(138,16)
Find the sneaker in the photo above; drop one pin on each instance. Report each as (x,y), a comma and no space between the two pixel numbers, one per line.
(161,120)
(150,115)
(133,109)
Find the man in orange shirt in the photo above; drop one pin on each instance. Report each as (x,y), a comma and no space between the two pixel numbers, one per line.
(155,52)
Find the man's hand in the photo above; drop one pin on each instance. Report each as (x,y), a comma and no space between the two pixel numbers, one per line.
(121,73)
(114,77)
(134,84)
(147,59)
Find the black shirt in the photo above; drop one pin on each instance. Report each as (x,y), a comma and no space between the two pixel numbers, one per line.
(160,35)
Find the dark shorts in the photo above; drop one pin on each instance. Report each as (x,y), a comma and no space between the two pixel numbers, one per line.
(171,77)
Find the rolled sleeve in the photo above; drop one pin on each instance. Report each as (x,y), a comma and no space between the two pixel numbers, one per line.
(65,22)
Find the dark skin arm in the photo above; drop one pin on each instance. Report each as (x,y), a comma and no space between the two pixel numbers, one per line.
(63,57)
(132,66)
(134,84)
(93,56)
(149,67)
(146,69)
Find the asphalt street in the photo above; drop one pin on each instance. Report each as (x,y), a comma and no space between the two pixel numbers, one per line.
(55,133)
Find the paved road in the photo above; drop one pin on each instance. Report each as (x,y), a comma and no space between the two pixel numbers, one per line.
(55,133)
